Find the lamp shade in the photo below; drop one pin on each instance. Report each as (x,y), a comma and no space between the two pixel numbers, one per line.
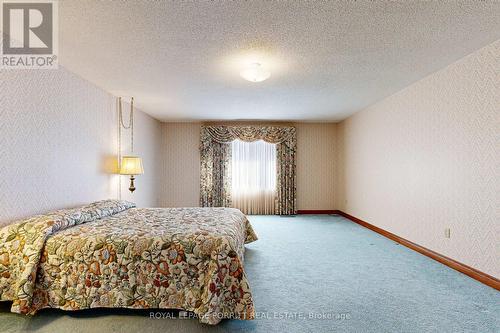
(131,165)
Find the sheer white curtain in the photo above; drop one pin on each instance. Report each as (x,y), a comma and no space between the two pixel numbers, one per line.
(253,168)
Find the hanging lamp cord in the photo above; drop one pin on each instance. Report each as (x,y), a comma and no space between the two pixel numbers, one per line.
(130,122)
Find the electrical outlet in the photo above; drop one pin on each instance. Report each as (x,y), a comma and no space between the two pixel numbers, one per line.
(447,232)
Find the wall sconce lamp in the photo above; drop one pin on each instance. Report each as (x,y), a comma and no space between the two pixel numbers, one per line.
(129,165)
(132,166)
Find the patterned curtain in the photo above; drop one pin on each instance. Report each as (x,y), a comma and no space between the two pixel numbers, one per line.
(215,151)
(286,201)
(216,175)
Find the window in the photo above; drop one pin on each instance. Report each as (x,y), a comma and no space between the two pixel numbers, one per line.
(253,172)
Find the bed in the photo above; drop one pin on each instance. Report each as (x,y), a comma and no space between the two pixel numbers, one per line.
(112,254)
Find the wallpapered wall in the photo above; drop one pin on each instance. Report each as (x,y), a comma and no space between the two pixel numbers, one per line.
(426,158)
(180,171)
(180,181)
(58,137)
(316,166)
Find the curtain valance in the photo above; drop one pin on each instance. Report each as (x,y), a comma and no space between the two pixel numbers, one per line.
(271,134)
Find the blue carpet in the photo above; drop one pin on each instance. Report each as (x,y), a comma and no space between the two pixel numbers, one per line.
(318,274)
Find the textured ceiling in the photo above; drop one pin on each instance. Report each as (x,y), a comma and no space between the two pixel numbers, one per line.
(181,59)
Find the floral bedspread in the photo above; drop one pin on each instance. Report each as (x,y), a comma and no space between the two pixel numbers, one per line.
(110,254)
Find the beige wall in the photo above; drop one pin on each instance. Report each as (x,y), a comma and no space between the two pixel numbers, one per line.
(180,181)
(426,159)
(58,144)
(180,171)
(316,166)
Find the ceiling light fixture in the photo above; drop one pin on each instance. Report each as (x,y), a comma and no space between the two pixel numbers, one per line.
(255,73)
